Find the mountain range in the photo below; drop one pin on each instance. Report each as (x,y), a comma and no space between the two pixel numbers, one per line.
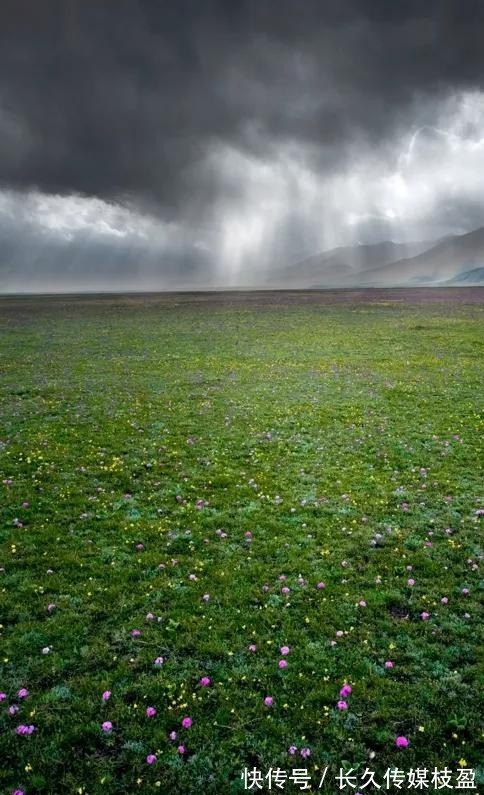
(452,260)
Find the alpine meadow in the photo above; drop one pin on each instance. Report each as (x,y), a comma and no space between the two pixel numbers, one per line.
(239,531)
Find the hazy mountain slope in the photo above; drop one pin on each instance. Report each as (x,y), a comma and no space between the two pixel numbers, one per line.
(445,260)
(474,276)
(341,266)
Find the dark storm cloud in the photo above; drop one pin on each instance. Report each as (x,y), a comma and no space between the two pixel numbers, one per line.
(215,141)
(124,100)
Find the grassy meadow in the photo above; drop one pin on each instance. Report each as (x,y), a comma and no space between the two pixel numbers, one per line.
(190,484)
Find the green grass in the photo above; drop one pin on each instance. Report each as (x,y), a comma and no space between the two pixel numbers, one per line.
(315,427)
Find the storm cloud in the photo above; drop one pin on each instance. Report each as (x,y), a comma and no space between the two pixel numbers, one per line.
(155,143)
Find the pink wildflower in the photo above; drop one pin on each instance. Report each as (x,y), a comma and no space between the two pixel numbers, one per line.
(282,663)
(268,701)
(205,681)
(321,585)
(424,616)
(181,749)
(284,650)
(186,723)
(151,759)
(401,742)
(292,750)
(159,662)
(107,726)
(342,705)
(345,691)
(150,712)
(388,664)
(22,729)
(305,752)
(410,582)
(252,647)
(135,633)
(23,693)
(106,695)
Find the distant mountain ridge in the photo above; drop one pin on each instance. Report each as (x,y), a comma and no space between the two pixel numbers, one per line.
(457,259)
(443,261)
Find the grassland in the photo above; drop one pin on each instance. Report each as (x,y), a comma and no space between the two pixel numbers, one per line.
(174,464)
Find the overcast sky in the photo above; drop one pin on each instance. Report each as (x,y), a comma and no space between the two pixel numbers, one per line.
(206,142)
